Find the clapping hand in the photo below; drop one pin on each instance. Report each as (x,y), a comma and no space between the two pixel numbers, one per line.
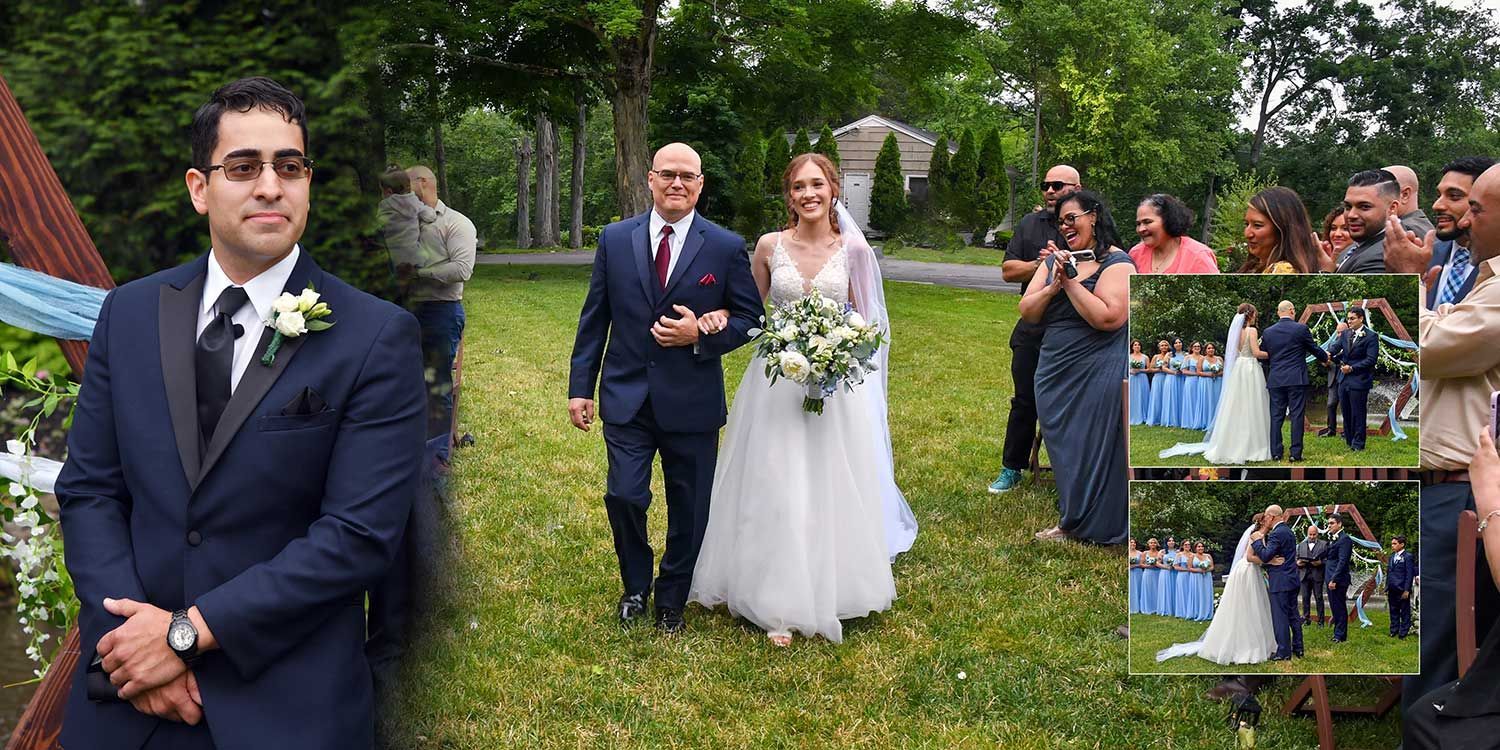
(1404,253)
(1328,260)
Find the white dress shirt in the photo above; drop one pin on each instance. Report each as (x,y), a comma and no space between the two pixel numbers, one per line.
(262,291)
(679,237)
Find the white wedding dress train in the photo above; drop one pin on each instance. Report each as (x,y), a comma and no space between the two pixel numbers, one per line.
(797,536)
(1240,632)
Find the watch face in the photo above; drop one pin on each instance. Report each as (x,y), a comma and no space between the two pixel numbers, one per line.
(181,636)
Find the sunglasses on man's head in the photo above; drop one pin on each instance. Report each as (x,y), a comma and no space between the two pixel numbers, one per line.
(1055,185)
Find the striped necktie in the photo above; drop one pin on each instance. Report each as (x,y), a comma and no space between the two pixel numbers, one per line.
(1458,270)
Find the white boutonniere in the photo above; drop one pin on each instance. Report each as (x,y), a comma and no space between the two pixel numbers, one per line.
(293,315)
(1359,334)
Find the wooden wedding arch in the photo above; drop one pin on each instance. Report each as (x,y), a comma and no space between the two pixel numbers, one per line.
(1389,313)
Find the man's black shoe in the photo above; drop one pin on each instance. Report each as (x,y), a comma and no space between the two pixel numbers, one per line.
(632,607)
(669,620)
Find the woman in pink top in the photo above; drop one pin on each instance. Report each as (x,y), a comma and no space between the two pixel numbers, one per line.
(1162,222)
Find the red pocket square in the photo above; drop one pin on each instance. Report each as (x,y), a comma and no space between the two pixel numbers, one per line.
(707,280)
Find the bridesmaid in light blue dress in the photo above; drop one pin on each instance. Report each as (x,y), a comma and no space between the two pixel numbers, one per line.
(1166,392)
(1166,581)
(1179,384)
(1135,577)
(1205,386)
(1184,597)
(1205,584)
(1192,401)
(1150,576)
(1154,365)
(1140,385)
(1214,365)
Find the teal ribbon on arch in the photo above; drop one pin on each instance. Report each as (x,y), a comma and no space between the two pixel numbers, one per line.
(48,305)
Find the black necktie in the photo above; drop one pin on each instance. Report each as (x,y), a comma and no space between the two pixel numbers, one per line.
(214,359)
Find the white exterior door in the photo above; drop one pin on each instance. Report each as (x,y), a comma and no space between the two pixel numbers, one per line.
(857,194)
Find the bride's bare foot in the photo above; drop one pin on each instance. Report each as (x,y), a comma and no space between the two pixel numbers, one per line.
(780,639)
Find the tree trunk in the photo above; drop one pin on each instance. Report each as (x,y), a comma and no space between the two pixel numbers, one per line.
(630,89)
(1208,210)
(575,194)
(1036,135)
(1011,173)
(545,220)
(439,155)
(523,192)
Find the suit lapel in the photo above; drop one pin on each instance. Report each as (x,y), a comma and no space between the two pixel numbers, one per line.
(640,241)
(257,378)
(690,249)
(177,322)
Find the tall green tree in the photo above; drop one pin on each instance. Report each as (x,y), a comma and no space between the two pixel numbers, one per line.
(939,179)
(803,144)
(993,195)
(888,208)
(778,156)
(750,188)
(964,175)
(827,145)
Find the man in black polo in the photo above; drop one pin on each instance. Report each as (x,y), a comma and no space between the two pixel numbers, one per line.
(1022,257)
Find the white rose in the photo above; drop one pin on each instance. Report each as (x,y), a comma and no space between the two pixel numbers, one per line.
(794,366)
(820,343)
(843,333)
(854,319)
(285,303)
(787,332)
(291,323)
(306,300)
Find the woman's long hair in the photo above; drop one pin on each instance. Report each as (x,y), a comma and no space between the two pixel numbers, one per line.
(830,173)
(1294,235)
(1106,236)
(1247,310)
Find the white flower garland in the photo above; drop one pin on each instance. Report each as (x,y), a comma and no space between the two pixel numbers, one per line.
(44,590)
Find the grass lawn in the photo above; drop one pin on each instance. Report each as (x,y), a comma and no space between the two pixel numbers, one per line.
(513,250)
(996,640)
(977,256)
(1368,651)
(1146,443)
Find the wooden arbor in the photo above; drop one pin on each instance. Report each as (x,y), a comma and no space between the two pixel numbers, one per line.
(1389,313)
(45,234)
(1314,688)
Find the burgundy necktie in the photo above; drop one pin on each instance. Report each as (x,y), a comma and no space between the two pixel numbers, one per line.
(664,255)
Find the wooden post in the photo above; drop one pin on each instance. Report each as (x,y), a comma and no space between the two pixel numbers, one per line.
(45,234)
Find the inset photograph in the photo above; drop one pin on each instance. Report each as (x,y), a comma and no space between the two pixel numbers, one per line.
(1275,370)
(1274,577)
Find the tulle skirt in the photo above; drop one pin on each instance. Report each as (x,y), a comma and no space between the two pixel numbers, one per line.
(796,539)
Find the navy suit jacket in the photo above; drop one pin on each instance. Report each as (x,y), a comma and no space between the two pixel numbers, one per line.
(1402,572)
(274,529)
(1283,577)
(1288,343)
(624,299)
(1359,355)
(1339,551)
(1442,251)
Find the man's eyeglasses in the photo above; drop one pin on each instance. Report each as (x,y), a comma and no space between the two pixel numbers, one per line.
(245,169)
(1055,185)
(670,176)
(1069,220)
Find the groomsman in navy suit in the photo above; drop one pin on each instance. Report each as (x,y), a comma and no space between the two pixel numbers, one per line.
(1398,583)
(660,384)
(1278,553)
(1286,344)
(225,505)
(1340,548)
(1358,348)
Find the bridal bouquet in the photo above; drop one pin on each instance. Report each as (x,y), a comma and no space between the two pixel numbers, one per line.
(820,344)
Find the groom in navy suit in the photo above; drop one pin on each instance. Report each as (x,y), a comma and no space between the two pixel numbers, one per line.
(1358,348)
(662,385)
(1282,583)
(1286,344)
(1340,549)
(226,506)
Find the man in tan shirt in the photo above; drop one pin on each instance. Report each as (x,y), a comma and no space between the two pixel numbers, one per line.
(1460,365)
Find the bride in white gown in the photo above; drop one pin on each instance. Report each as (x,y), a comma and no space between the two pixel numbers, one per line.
(1241,432)
(1240,632)
(805,515)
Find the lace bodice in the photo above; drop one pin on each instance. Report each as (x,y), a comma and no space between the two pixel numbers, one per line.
(789,285)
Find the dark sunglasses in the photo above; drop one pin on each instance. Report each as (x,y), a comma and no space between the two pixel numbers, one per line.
(1056,185)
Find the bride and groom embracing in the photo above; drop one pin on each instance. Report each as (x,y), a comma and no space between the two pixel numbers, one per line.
(1254,406)
(798,516)
(1256,619)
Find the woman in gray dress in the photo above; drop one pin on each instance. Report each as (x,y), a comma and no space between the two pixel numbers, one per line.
(1083,301)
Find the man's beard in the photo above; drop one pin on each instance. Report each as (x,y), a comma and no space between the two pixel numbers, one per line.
(1456,233)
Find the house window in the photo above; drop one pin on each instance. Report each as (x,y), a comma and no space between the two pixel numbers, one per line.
(916,187)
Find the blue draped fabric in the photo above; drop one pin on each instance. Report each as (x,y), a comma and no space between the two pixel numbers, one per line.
(50,306)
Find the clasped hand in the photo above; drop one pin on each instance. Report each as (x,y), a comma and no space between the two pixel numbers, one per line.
(138,661)
(681,331)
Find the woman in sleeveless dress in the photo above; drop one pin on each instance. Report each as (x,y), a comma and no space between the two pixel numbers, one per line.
(1160,373)
(1140,386)
(1240,631)
(1241,432)
(1135,577)
(1079,391)
(805,515)
(1150,575)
